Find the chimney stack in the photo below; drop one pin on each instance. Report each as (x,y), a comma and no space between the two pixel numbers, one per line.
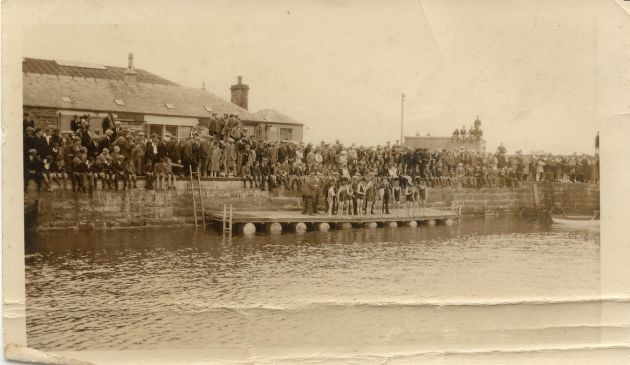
(130,72)
(240,93)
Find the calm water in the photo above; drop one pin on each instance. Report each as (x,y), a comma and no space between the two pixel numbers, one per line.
(346,291)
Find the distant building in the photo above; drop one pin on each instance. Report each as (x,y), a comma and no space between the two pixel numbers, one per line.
(54,91)
(283,126)
(447,143)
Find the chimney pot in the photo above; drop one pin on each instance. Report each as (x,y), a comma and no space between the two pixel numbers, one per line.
(240,93)
(130,72)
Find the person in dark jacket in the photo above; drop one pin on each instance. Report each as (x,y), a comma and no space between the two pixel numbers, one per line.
(75,123)
(33,168)
(78,173)
(108,122)
(28,122)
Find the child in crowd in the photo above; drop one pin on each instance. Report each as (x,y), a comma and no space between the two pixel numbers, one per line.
(148,175)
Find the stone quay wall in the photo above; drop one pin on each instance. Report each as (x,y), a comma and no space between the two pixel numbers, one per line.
(137,208)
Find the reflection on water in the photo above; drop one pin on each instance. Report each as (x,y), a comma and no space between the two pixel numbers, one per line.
(184,289)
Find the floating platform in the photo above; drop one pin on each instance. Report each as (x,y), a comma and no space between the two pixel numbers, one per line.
(278,221)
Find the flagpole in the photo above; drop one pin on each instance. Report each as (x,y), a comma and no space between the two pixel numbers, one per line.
(402,116)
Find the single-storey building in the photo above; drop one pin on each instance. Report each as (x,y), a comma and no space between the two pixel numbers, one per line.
(54,91)
(284,127)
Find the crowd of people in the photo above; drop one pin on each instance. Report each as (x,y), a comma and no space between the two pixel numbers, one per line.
(114,156)
(472,134)
(80,158)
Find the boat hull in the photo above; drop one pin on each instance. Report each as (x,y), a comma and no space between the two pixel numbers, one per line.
(576,222)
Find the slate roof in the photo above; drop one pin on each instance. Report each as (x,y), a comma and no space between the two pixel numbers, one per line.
(51,67)
(97,94)
(272,115)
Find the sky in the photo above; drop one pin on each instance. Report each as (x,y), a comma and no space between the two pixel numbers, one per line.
(529,70)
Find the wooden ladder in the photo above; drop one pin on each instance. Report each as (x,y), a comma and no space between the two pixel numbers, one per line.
(227,220)
(195,191)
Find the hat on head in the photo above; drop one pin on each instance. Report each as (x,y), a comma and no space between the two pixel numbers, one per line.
(109,132)
(32,150)
(153,135)
(30,128)
(230,140)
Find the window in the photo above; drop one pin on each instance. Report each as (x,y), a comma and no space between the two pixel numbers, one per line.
(66,99)
(176,131)
(171,129)
(208,108)
(156,128)
(119,102)
(169,105)
(286,133)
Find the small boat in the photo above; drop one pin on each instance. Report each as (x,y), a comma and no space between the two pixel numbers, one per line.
(577,220)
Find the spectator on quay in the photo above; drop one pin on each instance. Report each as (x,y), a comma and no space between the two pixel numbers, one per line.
(130,173)
(108,122)
(138,154)
(78,173)
(33,169)
(59,173)
(118,169)
(98,172)
(159,173)
(215,159)
(28,121)
(155,149)
(75,123)
(477,123)
(148,174)
(455,137)
(230,158)
(462,134)
(206,146)
(172,154)
(196,154)
(123,143)
(93,148)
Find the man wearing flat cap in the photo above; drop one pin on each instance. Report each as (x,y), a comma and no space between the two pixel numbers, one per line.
(30,141)
(106,141)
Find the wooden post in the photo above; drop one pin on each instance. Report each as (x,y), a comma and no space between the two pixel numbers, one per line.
(203,211)
(192,192)
(230,220)
(223,220)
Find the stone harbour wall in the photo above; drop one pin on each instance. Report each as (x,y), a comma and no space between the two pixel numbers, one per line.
(140,207)
(136,208)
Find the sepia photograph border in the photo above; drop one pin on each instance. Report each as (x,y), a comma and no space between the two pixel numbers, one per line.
(614,130)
